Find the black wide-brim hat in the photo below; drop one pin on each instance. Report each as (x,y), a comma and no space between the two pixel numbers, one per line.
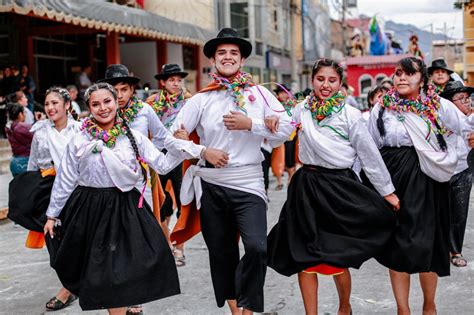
(169,70)
(439,64)
(280,87)
(454,87)
(227,36)
(117,73)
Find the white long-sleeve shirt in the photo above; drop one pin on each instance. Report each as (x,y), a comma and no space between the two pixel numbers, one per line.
(81,166)
(204,113)
(396,134)
(146,121)
(348,131)
(45,141)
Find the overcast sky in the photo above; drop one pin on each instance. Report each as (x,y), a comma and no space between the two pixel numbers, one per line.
(420,13)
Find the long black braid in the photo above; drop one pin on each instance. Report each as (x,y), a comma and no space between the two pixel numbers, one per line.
(133,142)
(380,124)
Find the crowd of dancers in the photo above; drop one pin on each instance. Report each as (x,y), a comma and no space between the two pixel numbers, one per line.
(393,185)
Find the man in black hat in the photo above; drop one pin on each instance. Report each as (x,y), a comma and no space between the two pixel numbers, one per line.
(234,115)
(142,118)
(167,103)
(440,74)
(461,183)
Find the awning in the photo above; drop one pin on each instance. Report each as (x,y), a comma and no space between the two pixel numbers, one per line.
(106,16)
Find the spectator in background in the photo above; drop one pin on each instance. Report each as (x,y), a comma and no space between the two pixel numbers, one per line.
(7,82)
(27,86)
(72,89)
(84,80)
(374,96)
(348,91)
(440,74)
(387,83)
(20,98)
(20,137)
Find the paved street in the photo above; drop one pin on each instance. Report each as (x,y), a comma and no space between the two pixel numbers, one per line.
(27,281)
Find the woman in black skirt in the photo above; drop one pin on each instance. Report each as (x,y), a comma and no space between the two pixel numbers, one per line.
(409,127)
(107,246)
(330,221)
(29,192)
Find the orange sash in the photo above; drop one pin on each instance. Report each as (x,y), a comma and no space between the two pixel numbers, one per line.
(35,239)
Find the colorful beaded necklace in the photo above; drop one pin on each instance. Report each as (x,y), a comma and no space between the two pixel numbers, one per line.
(288,105)
(89,125)
(166,101)
(129,112)
(321,109)
(235,86)
(426,107)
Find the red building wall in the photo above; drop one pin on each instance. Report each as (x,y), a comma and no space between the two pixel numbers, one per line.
(355,73)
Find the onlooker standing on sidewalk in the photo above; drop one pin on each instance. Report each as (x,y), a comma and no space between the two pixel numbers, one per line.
(20,98)
(461,183)
(27,86)
(20,137)
(84,80)
(72,89)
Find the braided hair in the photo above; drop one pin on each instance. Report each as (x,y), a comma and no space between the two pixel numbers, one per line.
(411,65)
(133,142)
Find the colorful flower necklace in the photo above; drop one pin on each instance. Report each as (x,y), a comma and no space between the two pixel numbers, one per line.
(438,89)
(166,101)
(321,109)
(240,82)
(129,112)
(426,107)
(288,105)
(109,138)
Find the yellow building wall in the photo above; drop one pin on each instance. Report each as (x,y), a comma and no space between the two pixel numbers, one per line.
(469,42)
(200,13)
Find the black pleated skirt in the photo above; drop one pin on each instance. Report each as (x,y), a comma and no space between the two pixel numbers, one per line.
(290,153)
(28,199)
(421,240)
(111,253)
(329,218)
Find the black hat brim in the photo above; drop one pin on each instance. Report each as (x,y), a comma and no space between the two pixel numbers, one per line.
(448,94)
(116,80)
(432,69)
(165,76)
(211,46)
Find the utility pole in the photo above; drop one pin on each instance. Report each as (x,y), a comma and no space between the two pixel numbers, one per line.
(445,31)
(294,64)
(344,28)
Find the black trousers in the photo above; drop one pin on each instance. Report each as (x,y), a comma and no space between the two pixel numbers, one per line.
(266,163)
(225,214)
(459,192)
(176,177)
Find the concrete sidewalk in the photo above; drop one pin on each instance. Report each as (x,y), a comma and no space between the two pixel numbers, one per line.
(27,281)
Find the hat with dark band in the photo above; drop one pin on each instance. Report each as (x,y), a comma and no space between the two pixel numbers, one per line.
(454,87)
(117,73)
(438,64)
(169,70)
(227,36)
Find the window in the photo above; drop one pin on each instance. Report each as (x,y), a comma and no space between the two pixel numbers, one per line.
(275,19)
(239,18)
(258,19)
(365,83)
(380,78)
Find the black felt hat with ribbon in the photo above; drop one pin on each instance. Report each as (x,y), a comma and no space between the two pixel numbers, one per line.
(439,64)
(227,36)
(169,70)
(454,87)
(117,73)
